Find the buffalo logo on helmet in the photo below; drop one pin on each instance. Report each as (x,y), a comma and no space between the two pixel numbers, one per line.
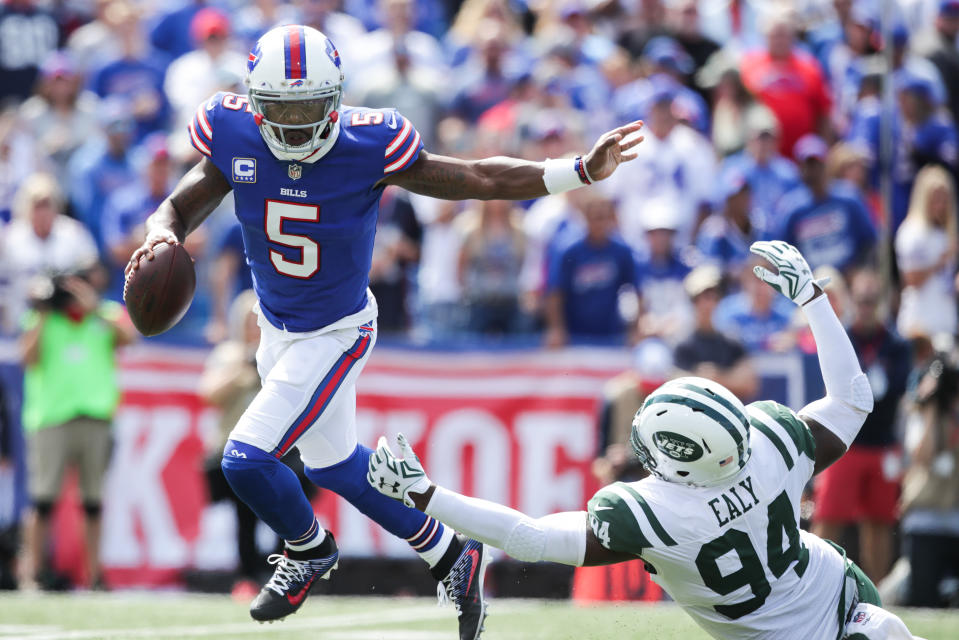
(296,83)
(254,58)
(333,53)
(677,447)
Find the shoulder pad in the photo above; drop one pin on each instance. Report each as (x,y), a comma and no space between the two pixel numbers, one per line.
(780,424)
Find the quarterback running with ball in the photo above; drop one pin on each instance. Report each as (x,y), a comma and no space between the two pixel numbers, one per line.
(307,174)
(717,521)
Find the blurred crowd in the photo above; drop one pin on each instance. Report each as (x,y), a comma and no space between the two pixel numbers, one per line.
(826,123)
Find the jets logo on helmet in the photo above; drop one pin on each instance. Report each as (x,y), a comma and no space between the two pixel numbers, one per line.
(691,431)
(295,87)
(677,446)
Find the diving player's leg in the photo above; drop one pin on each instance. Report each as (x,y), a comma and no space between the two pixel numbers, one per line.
(302,375)
(335,461)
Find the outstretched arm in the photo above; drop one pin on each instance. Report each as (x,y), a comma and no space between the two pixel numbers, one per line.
(503,178)
(196,195)
(835,419)
(560,537)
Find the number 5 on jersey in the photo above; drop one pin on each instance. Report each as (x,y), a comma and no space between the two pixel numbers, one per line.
(276,212)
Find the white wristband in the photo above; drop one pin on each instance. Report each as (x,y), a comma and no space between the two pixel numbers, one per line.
(563,175)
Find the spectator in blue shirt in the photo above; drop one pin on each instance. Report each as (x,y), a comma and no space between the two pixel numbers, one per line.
(171,32)
(868,115)
(665,309)
(488,76)
(769,174)
(137,77)
(921,135)
(100,167)
(664,56)
(828,224)
(587,279)
(754,315)
(725,236)
(928,137)
(127,207)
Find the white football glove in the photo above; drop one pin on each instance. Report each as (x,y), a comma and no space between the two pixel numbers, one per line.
(794,279)
(397,477)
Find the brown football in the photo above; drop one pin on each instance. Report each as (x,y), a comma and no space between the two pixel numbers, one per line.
(160,291)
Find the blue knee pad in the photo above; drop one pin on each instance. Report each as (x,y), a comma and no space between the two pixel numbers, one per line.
(348,479)
(269,487)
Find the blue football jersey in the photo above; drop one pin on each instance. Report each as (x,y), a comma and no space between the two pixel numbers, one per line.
(307,229)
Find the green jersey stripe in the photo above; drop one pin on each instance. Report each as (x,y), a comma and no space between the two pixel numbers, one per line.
(625,531)
(797,430)
(634,527)
(757,423)
(650,516)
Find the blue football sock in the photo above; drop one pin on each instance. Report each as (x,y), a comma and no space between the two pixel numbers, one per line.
(348,479)
(270,488)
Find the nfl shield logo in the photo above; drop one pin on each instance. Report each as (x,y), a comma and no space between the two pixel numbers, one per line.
(295,171)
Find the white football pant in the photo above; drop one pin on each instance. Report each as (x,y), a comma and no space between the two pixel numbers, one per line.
(308,398)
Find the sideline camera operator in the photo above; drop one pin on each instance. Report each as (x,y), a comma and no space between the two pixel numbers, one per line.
(930,490)
(70,394)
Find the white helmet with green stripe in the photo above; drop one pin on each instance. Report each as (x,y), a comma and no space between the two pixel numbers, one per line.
(692,431)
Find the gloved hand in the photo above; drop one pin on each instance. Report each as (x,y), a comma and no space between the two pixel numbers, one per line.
(397,477)
(794,279)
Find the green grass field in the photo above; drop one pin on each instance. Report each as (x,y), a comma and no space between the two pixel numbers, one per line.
(184,616)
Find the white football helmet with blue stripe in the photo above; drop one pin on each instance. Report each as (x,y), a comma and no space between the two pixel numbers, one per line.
(692,431)
(295,84)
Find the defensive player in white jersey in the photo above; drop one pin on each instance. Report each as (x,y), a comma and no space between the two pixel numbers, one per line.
(307,173)
(717,521)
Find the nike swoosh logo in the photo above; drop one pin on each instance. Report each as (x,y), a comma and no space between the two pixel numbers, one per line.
(601,508)
(392,123)
(474,556)
(298,598)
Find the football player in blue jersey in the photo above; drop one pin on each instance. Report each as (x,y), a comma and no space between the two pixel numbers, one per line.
(307,174)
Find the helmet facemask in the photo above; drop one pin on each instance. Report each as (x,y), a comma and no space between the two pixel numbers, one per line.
(296,124)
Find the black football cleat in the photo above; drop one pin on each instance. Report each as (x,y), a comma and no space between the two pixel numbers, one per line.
(295,573)
(463,585)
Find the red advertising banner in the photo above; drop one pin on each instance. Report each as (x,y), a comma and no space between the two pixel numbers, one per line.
(514,427)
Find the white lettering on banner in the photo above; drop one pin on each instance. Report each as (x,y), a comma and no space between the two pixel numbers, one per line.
(138,500)
(543,488)
(217,521)
(492,462)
